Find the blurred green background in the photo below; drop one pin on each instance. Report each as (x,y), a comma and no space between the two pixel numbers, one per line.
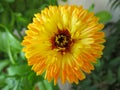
(15,74)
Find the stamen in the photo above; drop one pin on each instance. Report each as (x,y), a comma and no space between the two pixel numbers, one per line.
(61,40)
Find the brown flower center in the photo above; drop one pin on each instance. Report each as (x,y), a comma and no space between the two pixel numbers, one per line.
(62,40)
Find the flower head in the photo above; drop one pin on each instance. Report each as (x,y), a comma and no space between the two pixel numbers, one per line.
(63,42)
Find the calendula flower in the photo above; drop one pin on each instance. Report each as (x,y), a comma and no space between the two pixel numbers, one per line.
(63,42)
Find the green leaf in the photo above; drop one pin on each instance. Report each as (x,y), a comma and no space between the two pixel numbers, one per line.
(9,1)
(114,62)
(64,0)
(18,70)
(9,44)
(110,79)
(19,18)
(1,8)
(86,82)
(2,80)
(52,2)
(11,84)
(54,87)
(44,85)
(6,18)
(98,64)
(14,43)
(43,6)
(91,8)
(93,87)
(3,64)
(119,74)
(110,46)
(33,79)
(7,38)
(25,84)
(3,40)
(104,16)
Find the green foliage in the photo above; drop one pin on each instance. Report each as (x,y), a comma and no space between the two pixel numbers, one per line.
(64,0)
(45,85)
(104,16)
(15,74)
(91,8)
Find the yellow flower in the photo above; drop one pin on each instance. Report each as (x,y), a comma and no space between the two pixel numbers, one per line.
(63,42)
